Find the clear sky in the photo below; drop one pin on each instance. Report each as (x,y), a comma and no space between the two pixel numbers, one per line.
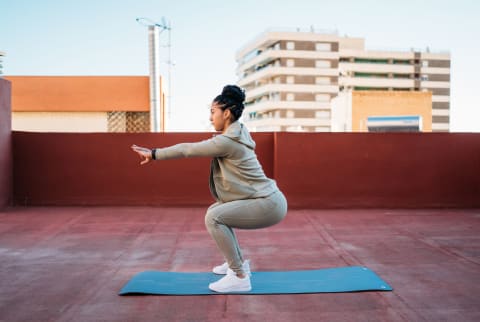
(102,37)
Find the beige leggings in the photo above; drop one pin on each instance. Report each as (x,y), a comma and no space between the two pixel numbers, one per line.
(242,214)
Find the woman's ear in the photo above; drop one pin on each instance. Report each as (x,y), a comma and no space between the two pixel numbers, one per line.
(227,114)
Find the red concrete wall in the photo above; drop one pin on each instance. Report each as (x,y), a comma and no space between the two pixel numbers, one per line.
(101,169)
(315,170)
(5,144)
(379,169)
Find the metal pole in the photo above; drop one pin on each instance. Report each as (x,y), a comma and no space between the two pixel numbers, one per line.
(155,99)
(157,106)
(169,70)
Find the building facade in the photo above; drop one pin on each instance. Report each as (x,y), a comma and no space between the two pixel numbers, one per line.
(382,111)
(81,103)
(291,77)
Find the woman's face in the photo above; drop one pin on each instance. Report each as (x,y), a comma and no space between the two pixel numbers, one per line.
(219,119)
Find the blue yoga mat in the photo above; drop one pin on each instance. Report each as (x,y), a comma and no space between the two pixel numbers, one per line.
(330,280)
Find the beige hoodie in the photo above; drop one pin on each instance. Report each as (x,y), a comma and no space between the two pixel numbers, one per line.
(235,172)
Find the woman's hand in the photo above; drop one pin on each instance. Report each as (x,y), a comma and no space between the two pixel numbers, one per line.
(144,153)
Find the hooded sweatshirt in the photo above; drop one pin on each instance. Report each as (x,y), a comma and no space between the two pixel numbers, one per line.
(235,172)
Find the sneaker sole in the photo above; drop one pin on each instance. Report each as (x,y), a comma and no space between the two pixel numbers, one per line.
(230,291)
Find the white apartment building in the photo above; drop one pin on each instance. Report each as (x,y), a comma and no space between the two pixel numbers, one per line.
(290,78)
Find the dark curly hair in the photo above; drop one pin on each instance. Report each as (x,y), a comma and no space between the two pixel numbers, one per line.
(232,98)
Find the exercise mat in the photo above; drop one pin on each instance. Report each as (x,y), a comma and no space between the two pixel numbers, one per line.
(329,280)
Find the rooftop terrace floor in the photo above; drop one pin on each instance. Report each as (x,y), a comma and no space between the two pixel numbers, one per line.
(68,264)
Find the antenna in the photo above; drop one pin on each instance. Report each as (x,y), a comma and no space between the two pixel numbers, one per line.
(157,111)
(147,22)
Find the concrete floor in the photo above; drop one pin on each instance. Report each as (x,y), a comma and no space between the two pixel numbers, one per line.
(68,264)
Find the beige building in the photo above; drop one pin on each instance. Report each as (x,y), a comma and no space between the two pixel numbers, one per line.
(291,77)
(374,111)
(81,103)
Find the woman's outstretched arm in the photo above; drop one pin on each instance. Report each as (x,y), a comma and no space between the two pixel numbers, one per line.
(218,146)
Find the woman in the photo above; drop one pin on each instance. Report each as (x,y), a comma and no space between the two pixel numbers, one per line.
(245,197)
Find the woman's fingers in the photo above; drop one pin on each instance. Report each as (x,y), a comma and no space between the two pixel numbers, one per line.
(138,148)
(144,153)
(141,150)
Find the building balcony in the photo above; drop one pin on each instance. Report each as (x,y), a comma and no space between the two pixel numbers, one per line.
(269,37)
(435,70)
(376,82)
(375,68)
(271,55)
(374,54)
(271,71)
(269,105)
(434,84)
(436,112)
(440,98)
(289,88)
(273,121)
(440,126)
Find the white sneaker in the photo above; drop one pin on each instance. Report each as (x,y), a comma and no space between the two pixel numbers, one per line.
(224,269)
(231,283)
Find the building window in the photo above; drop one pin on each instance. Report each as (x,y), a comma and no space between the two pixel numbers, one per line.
(130,122)
(290,63)
(371,61)
(366,88)
(424,63)
(401,62)
(290,45)
(290,79)
(275,97)
(322,80)
(290,97)
(323,46)
(296,128)
(322,64)
(322,114)
(322,97)
(290,114)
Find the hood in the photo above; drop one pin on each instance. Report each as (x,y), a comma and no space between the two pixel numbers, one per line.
(239,133)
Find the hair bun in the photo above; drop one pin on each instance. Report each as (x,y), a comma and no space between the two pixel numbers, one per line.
(232,98)
(234,93)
